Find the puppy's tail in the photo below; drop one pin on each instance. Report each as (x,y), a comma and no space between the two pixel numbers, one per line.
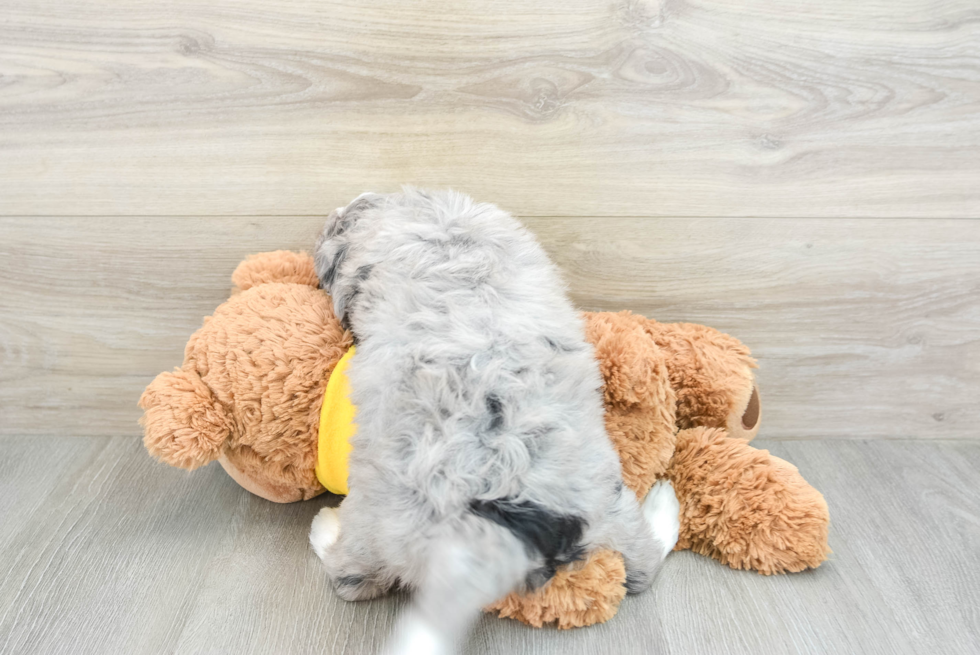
(476,562)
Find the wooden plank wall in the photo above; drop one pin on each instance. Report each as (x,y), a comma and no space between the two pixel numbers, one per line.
(803,175)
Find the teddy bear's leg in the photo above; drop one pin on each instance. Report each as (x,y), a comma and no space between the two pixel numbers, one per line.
(644,533)
(280,266)
(580,594)
(712,375)
(745,507)
(345,558)
(589,592)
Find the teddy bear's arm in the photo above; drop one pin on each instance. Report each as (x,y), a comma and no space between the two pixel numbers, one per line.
(745,507)
(282,266)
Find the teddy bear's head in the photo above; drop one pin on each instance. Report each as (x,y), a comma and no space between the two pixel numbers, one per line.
(252,383)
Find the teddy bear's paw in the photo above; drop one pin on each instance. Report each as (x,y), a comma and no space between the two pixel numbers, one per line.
(662,512)
(324,530)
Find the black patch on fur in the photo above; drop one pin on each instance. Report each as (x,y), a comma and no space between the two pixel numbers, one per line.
(364,272)
(637,581)
(461,241)
(557,537)
(345,324)
(496,409)
(559,347)
(351,297)
(349,217)
(349,580)
(348,309)
(331,273)
(359,206)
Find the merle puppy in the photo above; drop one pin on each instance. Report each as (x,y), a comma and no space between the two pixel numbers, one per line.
(481,462)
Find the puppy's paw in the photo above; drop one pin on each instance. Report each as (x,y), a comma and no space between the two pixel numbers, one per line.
(324,530)
(416,637)
(663,512)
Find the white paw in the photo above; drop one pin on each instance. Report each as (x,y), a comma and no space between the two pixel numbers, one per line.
(663,513)
(324,530)
(415,637)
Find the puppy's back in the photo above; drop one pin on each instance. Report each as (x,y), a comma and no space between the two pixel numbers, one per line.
(481,459)
(473,376)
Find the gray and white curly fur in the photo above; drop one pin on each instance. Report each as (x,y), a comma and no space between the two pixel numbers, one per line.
(481,461)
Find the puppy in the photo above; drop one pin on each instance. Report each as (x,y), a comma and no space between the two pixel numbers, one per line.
(481,461)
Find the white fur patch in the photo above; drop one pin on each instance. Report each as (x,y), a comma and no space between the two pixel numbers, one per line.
(324,530)
(415,637)
(663,513)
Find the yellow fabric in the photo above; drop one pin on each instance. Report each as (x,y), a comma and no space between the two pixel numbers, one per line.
(336,429)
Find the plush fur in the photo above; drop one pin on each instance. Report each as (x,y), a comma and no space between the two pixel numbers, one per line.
(481,461)
(266,353)
(745,507)
(250,389)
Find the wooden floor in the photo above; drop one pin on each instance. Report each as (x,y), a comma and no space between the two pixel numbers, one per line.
(106,551)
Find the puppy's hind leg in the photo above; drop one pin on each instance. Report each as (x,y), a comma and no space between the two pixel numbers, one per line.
(643,534)
(348,565)
(662,512)
(324,530)
(466,571)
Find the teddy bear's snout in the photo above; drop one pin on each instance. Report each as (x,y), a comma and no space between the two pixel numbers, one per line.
(752,412)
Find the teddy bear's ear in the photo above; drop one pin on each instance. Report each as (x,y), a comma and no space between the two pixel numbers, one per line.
(632,367)
(182,423)
(279,266)
(711,373)
(639,400)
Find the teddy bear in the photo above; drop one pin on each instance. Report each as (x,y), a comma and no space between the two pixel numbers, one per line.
(681,404)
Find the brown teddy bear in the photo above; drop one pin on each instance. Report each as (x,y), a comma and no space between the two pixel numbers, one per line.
(681,403)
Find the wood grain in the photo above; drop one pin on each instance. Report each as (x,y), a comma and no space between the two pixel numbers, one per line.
(578,107)
(107,551)
(92,309)
(863,328)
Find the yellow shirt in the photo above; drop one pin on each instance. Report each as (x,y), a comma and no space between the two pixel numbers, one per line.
(336,429)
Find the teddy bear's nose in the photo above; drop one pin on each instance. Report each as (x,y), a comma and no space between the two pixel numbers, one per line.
(751,415)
